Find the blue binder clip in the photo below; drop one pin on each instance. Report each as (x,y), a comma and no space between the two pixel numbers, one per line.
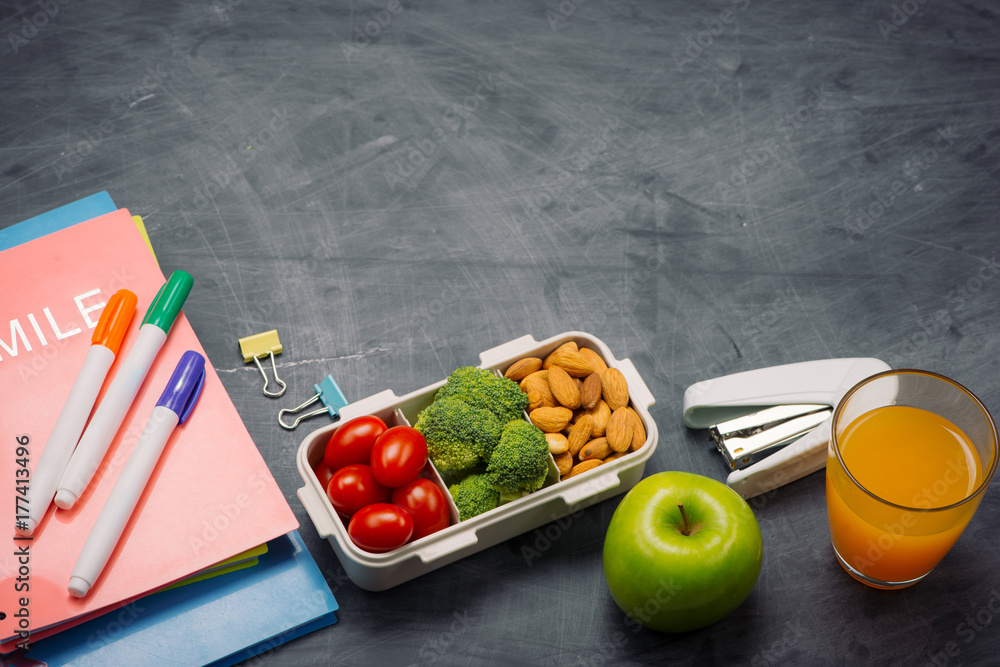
(328,393)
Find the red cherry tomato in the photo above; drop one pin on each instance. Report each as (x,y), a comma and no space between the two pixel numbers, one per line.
(323,473)
(399,455)
(353,442)
(381,527)
(353,487)
(426,504)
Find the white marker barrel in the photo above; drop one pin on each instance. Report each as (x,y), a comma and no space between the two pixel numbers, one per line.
(108,418)
(66,433)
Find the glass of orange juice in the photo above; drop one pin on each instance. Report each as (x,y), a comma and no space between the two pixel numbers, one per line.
(910,457)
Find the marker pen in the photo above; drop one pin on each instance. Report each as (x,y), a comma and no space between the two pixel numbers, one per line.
(173,408)
(109,415)
(106,341)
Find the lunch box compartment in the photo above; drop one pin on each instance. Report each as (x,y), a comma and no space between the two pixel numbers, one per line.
(376,572)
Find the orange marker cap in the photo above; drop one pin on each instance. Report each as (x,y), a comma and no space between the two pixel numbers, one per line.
(114,320)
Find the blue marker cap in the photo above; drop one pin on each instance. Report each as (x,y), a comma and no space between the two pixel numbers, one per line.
(184,386)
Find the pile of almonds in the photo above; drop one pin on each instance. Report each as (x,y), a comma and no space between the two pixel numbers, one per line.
(582,407)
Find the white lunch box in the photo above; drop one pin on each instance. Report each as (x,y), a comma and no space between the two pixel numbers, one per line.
(377,572)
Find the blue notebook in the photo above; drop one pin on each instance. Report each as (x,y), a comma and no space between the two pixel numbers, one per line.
(218,622)
(81,210)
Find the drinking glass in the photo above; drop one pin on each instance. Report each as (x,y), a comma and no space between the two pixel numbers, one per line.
(911,454)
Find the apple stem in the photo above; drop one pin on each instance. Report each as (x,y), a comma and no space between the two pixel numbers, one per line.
(687,525)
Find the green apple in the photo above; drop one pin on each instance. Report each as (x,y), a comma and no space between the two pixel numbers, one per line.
(682,552)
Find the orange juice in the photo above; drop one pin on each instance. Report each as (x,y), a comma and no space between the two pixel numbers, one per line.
(913,465)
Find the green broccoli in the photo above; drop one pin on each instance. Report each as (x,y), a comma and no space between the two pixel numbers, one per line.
(473,496)
(459,436)
(520,463)
(480,388)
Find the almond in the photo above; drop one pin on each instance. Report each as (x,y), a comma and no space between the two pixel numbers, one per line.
(638,430)
(619,431)
(582,467)
(580,434)
(558,443)
(595,360)
(564,388)
(600,413)
(567,347)
(523,367)
(551,420)
(543,375)
(614,457)
(597,448)
(591,392)
(564,462)
(572,362)
(539,386)
(614,388)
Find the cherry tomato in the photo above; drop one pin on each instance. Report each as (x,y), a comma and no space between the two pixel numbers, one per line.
(353,442)
(381,527)
(323,473)
(399,455)
(426,504)
(352,487)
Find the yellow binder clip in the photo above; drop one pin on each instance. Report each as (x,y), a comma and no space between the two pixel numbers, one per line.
(263,345)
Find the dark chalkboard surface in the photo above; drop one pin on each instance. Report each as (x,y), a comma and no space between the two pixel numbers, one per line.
(708,187)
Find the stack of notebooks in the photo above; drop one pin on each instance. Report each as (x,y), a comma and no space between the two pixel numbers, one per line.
(210,568)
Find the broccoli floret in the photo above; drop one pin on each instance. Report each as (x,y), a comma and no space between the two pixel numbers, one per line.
(473,496)
(520,463)
(481,388)
(459,436)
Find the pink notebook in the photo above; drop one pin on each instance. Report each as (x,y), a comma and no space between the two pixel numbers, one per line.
(210,497)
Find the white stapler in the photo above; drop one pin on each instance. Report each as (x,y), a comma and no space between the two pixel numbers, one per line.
(772,425)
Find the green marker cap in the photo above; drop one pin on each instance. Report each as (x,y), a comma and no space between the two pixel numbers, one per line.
(163,311)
